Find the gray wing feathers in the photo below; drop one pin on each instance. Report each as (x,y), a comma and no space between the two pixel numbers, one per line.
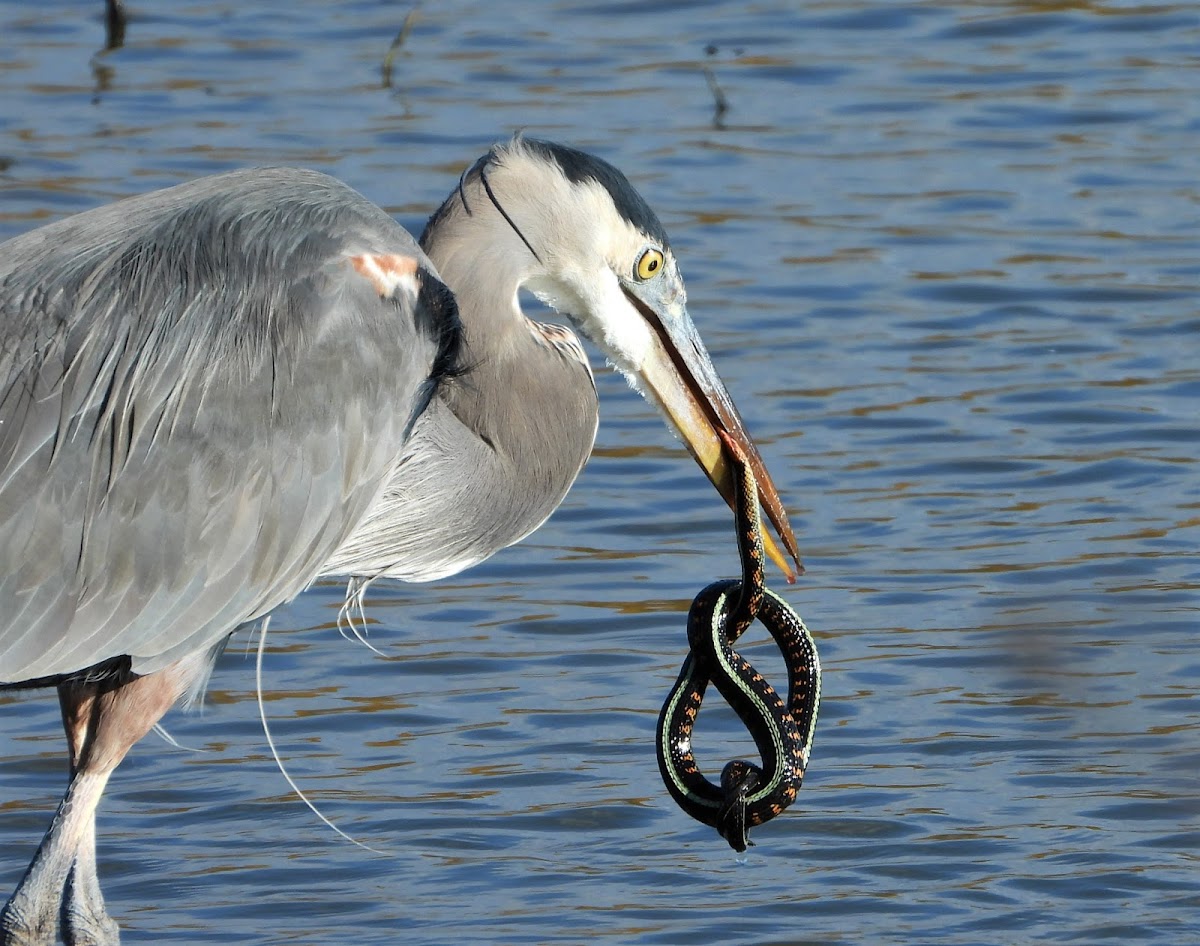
(199,399)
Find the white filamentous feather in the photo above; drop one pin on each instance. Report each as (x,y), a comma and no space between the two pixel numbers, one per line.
(170,740)
(262,715)
(354,607)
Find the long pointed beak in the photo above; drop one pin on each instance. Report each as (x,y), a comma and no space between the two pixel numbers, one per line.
(679,374)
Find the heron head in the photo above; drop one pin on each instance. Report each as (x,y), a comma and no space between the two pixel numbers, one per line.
(585,243)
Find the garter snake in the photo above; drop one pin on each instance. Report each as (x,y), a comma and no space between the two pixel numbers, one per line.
(782,731)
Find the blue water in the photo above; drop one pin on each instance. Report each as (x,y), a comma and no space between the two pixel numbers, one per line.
(946,256)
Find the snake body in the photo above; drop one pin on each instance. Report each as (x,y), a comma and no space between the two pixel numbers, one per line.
(748,795)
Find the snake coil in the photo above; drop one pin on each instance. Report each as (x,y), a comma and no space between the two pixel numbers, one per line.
(749,795)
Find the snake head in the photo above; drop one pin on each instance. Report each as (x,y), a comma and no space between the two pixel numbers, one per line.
(738,779)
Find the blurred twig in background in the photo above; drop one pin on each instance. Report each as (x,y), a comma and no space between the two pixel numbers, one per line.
(396,44)
(114,24)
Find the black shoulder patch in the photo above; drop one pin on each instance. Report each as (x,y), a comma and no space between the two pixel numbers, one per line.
(437,318)
(578,166)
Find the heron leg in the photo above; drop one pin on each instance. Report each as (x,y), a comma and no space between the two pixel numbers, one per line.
(103,720)
(84,919)
(31,916)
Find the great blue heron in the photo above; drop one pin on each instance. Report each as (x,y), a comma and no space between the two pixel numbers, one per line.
(213,394)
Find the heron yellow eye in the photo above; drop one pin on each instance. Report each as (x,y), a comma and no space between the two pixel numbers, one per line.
(649,264)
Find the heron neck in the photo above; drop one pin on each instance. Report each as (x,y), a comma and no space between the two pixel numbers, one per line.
(494,453)
(529,399)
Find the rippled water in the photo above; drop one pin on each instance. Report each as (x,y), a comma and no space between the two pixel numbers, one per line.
(945,254)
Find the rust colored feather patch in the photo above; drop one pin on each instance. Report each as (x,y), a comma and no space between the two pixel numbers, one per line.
(387,272)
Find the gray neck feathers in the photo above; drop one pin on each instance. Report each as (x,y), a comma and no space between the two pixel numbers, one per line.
(499,446)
